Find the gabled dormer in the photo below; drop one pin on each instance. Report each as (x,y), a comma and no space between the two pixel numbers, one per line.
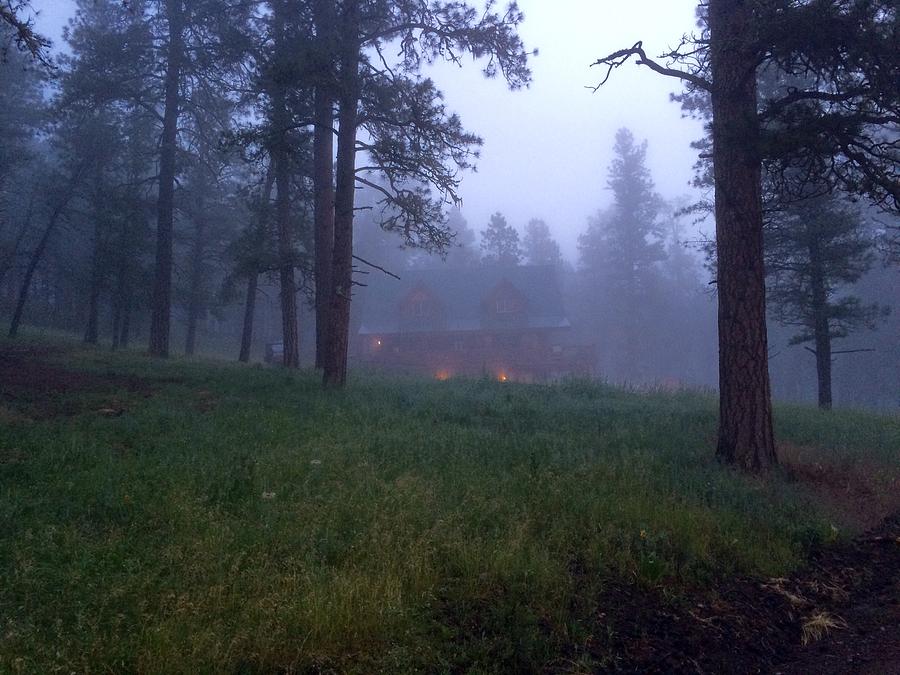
(421,309)
(504,304)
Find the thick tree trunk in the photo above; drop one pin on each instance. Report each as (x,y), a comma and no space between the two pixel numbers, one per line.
(338,334)
(323,174)
(281,161)
(165,208)
(249,313)
(746,438)
(821,328)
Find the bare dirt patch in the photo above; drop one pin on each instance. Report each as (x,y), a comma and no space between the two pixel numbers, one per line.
(860,494)
(839,614)
(32,387)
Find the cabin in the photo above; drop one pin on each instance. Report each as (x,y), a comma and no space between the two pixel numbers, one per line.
(507,323)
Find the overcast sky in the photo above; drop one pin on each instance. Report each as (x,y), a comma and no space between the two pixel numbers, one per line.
(547,149)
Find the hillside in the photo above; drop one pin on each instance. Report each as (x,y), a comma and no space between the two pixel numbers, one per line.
(199,516)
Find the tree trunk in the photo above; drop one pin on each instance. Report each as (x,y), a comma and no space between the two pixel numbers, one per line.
(91,331)
(10,258)
(38,253)
(165,208)
(116,318)
(323,179)
(195,299)
(281,161)
(249,312)
(338,333)
(821,329)
(253,281)
(746,438)
(323,176)
(126,319)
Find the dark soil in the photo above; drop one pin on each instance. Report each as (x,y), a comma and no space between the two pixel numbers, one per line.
(33,387)
(840,614)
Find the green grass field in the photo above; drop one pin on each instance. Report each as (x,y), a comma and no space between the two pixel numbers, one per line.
(240,519)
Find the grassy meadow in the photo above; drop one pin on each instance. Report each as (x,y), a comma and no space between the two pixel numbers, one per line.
(234,519)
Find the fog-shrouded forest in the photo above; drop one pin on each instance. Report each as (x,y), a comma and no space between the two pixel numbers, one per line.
(449,336)
(241,179)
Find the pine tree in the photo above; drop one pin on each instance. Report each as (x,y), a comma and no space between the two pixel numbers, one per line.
(539,247)
(829,130)
(500,242)
(815,250)
(618,257)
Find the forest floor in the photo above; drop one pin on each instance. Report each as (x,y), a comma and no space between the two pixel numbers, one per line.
(199,516)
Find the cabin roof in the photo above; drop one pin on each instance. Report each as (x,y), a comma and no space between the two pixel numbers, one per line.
(461,293)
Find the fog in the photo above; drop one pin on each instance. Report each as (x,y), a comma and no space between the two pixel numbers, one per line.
(548,159)
(546,149)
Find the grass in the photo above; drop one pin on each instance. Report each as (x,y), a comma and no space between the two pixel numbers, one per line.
(240,519)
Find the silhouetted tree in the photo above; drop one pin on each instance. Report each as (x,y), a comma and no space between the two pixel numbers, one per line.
(815,250)
(500,242)
(830,130)
(413,140)
(539,247)
(619,252)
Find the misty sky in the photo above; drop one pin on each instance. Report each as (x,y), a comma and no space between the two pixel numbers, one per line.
(547,149)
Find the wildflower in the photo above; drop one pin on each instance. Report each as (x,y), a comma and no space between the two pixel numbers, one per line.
(643,534)
(315,462)
(268,495)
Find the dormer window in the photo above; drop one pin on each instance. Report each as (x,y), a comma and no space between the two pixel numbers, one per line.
(505,306)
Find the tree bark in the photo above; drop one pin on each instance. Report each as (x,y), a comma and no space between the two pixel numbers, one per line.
(249,313)
(746,437)
(338,334)
(281,162)
(165,212)
(323,176)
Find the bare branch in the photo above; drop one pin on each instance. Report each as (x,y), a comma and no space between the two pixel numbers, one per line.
(377,267)
(620,57)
